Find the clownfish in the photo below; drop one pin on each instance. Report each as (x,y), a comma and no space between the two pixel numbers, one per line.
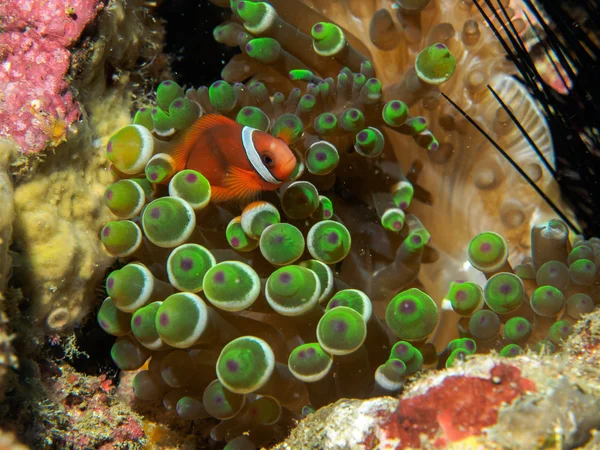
(238,161)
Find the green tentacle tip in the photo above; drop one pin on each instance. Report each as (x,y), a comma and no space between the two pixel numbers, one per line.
(221,403)
(130,148)
(325,209)
(121,238)
(325,124)
(393,219)
(373,90)
(328,241)
(504,292)
(306,104)
(231,286)
(352,298)
(293,290)
(130,287)
(147,386)
(487,252)
(553,273)
(395,113)
(325,275)
(160,168)
(183,112)
(369,142)
(467,344)
(190,408)
(187,265)
(289,124)
(163,122)
(560,331)
(257,216)
(245,365)
(547,301)
(143,326)
(143,117)
(168,222)
(411,315)
(465,298)
(583,272)
(341,331)
(328,39)
(352,120)
(237,238)
(402,193)
(281,244)
(413,126)
(322,158)
(166,92)
(390,375)
(412,357)
(517,329)
(435,64)
(181,319)
(222,96)
(257,16)
(484,324)
(113,320)
(309,363)
(580,252)
(125,198)
(303,75)
(192,187)
(510,351)
(253,117)
(579,304)
(128,354)
(456,356)
(264,50)
(299,200)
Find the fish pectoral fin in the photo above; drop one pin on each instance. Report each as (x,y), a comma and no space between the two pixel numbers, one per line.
(241,184)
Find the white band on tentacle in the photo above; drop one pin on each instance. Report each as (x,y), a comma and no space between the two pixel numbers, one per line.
(254,157)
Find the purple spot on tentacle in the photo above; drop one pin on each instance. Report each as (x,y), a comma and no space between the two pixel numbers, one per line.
(320,156)
(285,278)
(232,365)
(407,306)
(186,264)
(155,213)
(163,319)
(106,231)
(235,242)
(219,277)
(137,321)
(191,177)
(333,238)
(339,326)
(110,283)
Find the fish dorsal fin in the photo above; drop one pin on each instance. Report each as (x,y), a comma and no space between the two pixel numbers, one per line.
(241,184)
(184,145)
(286,135)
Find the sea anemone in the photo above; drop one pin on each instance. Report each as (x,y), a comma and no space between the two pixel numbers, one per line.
(256,313)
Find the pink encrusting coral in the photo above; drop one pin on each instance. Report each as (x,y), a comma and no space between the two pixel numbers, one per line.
(36,105)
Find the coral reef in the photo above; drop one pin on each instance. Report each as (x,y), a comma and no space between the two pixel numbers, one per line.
(531,401)
(37,106)
(59,206)
(7,357)
(87,414)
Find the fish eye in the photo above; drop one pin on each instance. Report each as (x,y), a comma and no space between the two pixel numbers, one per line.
(267,160)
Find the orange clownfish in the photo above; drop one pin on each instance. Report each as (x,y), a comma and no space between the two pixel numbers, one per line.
(238,161)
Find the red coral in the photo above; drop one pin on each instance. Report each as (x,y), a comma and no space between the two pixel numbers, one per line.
(36,106)
(459,407)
